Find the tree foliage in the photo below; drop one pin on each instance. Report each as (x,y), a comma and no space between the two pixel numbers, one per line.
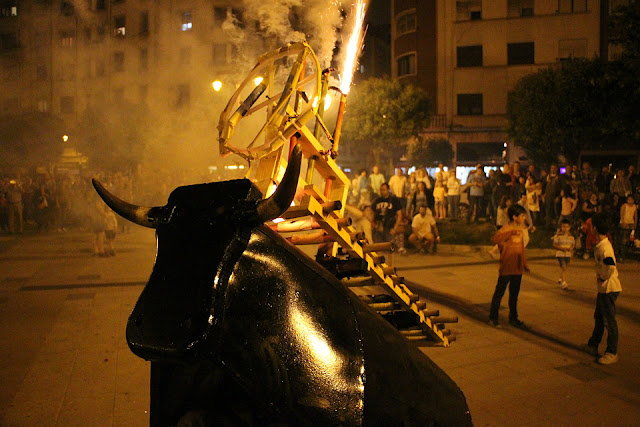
(624,29)
(425,152)
(586,103)
(383,113)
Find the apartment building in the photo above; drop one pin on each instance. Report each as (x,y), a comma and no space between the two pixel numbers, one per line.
(64,57)
(468,54)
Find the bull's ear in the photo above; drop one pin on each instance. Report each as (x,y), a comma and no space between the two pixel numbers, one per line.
(280,201)
(136,214)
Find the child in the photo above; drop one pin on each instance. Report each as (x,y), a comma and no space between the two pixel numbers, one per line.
(564,243)
(111,225)
(511,239)
(440,196)
(501,214)
(609,287)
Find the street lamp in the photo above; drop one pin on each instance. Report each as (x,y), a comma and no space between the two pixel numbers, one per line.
(65,138)
(217,85)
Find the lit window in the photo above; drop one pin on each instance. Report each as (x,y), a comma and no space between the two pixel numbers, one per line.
(8,10)
(187,23)
(572,48)
(119,25)
(43,106)
(407,65)
(67,38)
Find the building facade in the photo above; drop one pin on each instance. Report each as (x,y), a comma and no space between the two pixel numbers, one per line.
(468,54)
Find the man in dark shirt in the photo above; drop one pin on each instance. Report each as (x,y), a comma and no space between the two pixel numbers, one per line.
(385,208)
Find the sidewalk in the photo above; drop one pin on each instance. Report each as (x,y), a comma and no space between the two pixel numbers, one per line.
(66,362)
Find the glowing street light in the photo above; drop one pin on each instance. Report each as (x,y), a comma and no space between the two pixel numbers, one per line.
(65,138)
(217,85)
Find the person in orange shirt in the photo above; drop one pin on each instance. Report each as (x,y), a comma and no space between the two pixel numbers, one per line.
(511,239)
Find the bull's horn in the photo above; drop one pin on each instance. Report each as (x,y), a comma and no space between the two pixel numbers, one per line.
(280,201)
(136,214)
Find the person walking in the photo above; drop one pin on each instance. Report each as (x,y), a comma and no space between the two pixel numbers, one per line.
(564,243)
(511,240)
(609,287)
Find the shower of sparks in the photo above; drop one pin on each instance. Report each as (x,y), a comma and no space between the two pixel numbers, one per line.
(354,45)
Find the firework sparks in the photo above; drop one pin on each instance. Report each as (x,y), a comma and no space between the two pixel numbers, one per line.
(354,45)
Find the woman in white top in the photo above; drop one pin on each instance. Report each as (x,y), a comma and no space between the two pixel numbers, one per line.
(453,193)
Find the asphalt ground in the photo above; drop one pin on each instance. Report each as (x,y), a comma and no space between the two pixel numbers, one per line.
(65,360)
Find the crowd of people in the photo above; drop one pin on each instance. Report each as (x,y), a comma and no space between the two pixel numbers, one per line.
(549,196)
(49,202)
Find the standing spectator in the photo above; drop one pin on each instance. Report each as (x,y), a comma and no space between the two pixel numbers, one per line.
(477,181)
(385,208)
(590,207)
(364,189)
(424,230)
(98,226)
(375,180)
(423,176)
(563,243)
(603,182)
(554,183)
(531,171)
(453,194)
(529,222)
(398,185)
(502,217)
(422,196)
(14,201)
(440,199)
(620,184)
(511,240)
(569,205)
(628,223)
(534,192)
(44,206)
(587,183)
(412,186)
(399,230)
(609,287)
(110,230)
(634,178)
(489,194)
(441,174)
(519,188)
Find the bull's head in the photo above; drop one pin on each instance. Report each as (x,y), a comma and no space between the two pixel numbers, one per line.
(201,230)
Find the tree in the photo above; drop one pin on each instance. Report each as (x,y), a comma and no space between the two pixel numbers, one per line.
(624,29)
(578,104)
(425,152)
(384,113)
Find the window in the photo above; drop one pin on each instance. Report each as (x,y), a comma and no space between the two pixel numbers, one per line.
(43,106)
(466,10)
(572,48)
(187,22)
(520,53)
(183,96)
(12,106)
(572,6)
(118,61)
(519,8)
(470,104)
(67,38)
(11,72)
(219,16)
(469,56)
(407,65)
(144,22)
(9,9)
(8,41)
(220,56)
(119,25)
(66,8)
(67,104)
(41,72)
(143,91)
(101,32)
(144,59)
(406,23)
(185,55)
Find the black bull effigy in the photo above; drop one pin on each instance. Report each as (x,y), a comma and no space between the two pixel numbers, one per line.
(242,328)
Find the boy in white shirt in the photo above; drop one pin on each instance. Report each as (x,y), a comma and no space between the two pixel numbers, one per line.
(609,287)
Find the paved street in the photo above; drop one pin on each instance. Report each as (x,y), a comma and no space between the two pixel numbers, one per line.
(65,360)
